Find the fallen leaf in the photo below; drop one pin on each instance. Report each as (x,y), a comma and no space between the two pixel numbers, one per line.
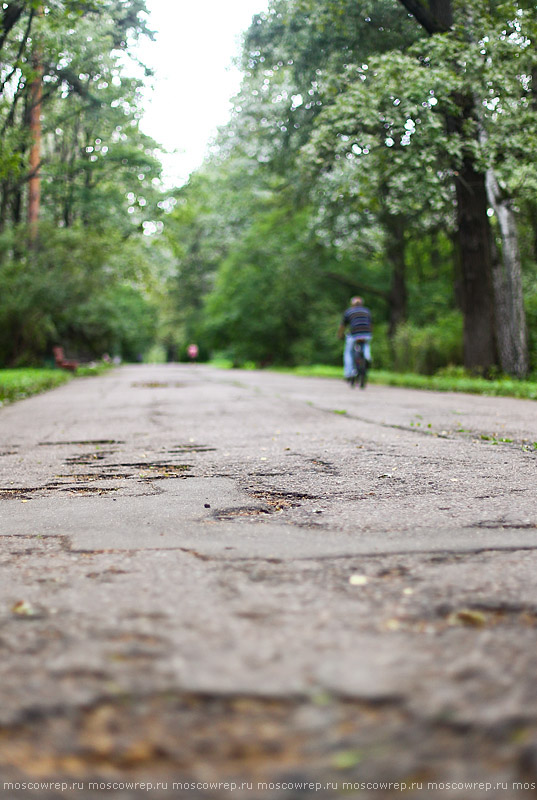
(358,580)
(467,616)
(23,608)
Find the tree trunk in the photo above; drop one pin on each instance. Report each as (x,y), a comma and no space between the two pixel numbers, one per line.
(507,284)
(532,205)
(395,255)
(476,269)
(34,199)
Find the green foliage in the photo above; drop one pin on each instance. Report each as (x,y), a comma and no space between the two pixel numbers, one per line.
(266,305)
(93,368)
(426,348)
(118,321)
(77,292)
(88,281)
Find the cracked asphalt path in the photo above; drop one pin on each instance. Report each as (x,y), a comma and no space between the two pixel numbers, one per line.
(210,575)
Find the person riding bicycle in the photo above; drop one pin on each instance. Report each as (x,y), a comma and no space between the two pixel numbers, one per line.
(357,318)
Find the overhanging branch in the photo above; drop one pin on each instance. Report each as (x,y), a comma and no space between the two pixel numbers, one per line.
(10,16)
(435,16)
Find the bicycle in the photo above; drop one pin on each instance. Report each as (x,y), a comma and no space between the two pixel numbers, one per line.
(360,362)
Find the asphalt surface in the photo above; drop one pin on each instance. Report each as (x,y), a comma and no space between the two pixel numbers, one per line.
(247,577)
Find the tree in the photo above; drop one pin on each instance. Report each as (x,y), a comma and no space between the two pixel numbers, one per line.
(491,289)
(86,282)
(76,57)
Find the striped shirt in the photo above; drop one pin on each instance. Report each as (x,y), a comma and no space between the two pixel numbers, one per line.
(358,318)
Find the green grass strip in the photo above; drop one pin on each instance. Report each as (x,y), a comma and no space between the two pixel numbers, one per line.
(500,387)
(16,384)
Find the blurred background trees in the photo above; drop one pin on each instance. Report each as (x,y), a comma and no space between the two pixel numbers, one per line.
(84,282)
(377,147)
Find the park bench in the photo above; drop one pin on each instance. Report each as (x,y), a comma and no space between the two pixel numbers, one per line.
(62,362)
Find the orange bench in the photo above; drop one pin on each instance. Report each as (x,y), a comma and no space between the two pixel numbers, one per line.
(62,362)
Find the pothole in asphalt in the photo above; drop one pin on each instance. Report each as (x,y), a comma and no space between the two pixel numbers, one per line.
(159,471)
(88,489)
(154,465)
(323,466)
(8,492)
(92,476)
(145,472)
(273,474)
(89,458)
(245,511)
(95,442)
(281,499)
(191,448)
(158,385)
(499,523)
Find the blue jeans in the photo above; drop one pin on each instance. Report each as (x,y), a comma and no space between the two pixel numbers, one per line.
(348,356)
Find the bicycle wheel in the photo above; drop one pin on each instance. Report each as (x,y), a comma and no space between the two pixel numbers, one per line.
(361,365)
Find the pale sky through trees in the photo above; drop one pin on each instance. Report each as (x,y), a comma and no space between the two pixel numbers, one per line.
(194,76)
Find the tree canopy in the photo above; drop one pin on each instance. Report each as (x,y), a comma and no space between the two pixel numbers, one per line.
(85,283)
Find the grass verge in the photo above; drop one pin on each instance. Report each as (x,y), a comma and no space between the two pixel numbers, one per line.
(16,384)
(500,387)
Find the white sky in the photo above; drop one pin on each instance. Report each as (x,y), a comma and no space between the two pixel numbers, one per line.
(196,41)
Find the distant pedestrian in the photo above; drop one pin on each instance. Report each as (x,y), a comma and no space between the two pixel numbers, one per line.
(193,352)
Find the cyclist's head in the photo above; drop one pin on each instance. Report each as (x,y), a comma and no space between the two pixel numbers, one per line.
(356,301)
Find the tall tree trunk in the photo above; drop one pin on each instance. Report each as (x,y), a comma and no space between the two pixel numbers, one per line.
(507,284)
(532,204)
(394,226)
(395,256)
(34,187)
(510,315)
(476,269)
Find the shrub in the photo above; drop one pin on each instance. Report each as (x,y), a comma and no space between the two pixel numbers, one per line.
(427,349)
